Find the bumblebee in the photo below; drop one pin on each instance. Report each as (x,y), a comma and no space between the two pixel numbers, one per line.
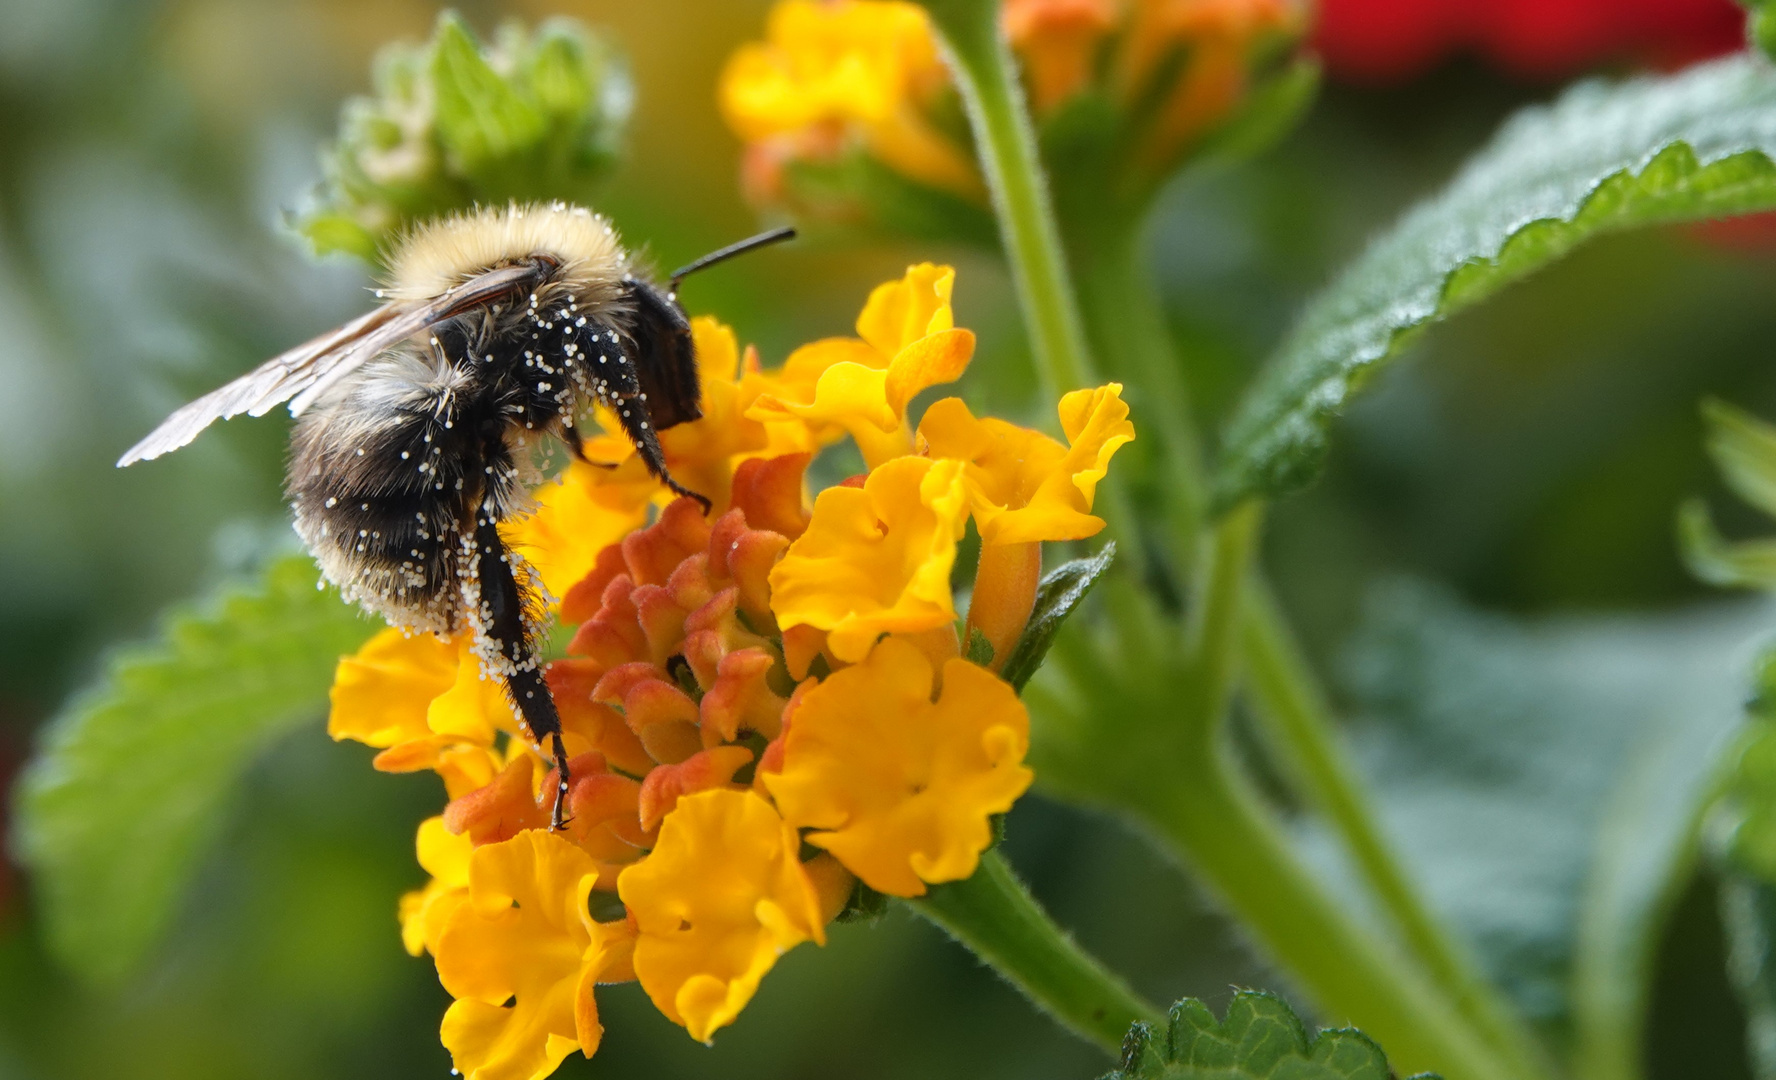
(419,425)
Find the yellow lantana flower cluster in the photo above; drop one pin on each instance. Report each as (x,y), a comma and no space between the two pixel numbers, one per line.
(767,709)
(839,76)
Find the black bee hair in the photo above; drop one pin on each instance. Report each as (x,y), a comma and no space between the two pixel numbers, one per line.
(419,425)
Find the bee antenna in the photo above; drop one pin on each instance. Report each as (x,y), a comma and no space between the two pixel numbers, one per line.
(751,243)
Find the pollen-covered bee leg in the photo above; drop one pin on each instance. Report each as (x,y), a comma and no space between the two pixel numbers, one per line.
(633,414)
(502,621)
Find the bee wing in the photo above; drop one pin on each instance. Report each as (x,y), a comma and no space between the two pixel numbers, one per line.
(308,369)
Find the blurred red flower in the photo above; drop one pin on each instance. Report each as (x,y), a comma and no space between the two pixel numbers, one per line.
(1380,41)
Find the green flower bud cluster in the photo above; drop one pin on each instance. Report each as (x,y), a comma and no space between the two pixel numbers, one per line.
(453,124)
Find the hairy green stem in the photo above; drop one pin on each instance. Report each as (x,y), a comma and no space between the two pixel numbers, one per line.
(1215,819)
(988,83)
(994,915)
(1230,838)
(1291,708)
(986,77)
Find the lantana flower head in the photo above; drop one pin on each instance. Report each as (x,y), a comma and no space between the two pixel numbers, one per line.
(768,709)
(850,77)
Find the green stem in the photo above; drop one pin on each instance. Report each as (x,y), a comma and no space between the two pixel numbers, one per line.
(1214,630)
(1212,815)
(987,79)
(994,915)
(1226,832)
(1007,145)
(1289,704)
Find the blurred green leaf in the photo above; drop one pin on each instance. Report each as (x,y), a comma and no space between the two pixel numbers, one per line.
(1747,564)
(1748,915)
(1545,781)
(1261,1039)
(1273,108)
(1760,25)
(133,780)
(1744,449)
(1061,592)
(1605,157)
(1750,805)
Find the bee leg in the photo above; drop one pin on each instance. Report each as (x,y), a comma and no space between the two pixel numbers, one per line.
(502,621)
(633,413)
(576,445)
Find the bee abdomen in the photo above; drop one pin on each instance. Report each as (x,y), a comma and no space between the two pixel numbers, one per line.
(379,489)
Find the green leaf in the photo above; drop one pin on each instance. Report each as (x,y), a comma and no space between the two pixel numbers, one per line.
(1061,592)
(1273,107)
(1748,914)
(1545,781)
(1750,805)
(1748,564)
(1744,449)
(1261,1039)
(1760,25)
(1604,158)
(132,780)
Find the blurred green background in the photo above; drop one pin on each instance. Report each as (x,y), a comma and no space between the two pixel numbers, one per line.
(148,152)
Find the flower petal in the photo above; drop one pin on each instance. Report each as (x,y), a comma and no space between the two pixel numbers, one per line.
(902,788)
(380,693)
(721,897)
(521,937)
(876,559)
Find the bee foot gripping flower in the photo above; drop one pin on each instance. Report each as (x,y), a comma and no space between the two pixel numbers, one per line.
(764,707)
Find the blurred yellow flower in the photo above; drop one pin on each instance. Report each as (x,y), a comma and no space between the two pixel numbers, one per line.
(850,71)
(1058,42)
(1217,38)
(876,559)
(899,786)
(907,341)
(721,897)
(524,936)
(424,911)
(1022,485)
